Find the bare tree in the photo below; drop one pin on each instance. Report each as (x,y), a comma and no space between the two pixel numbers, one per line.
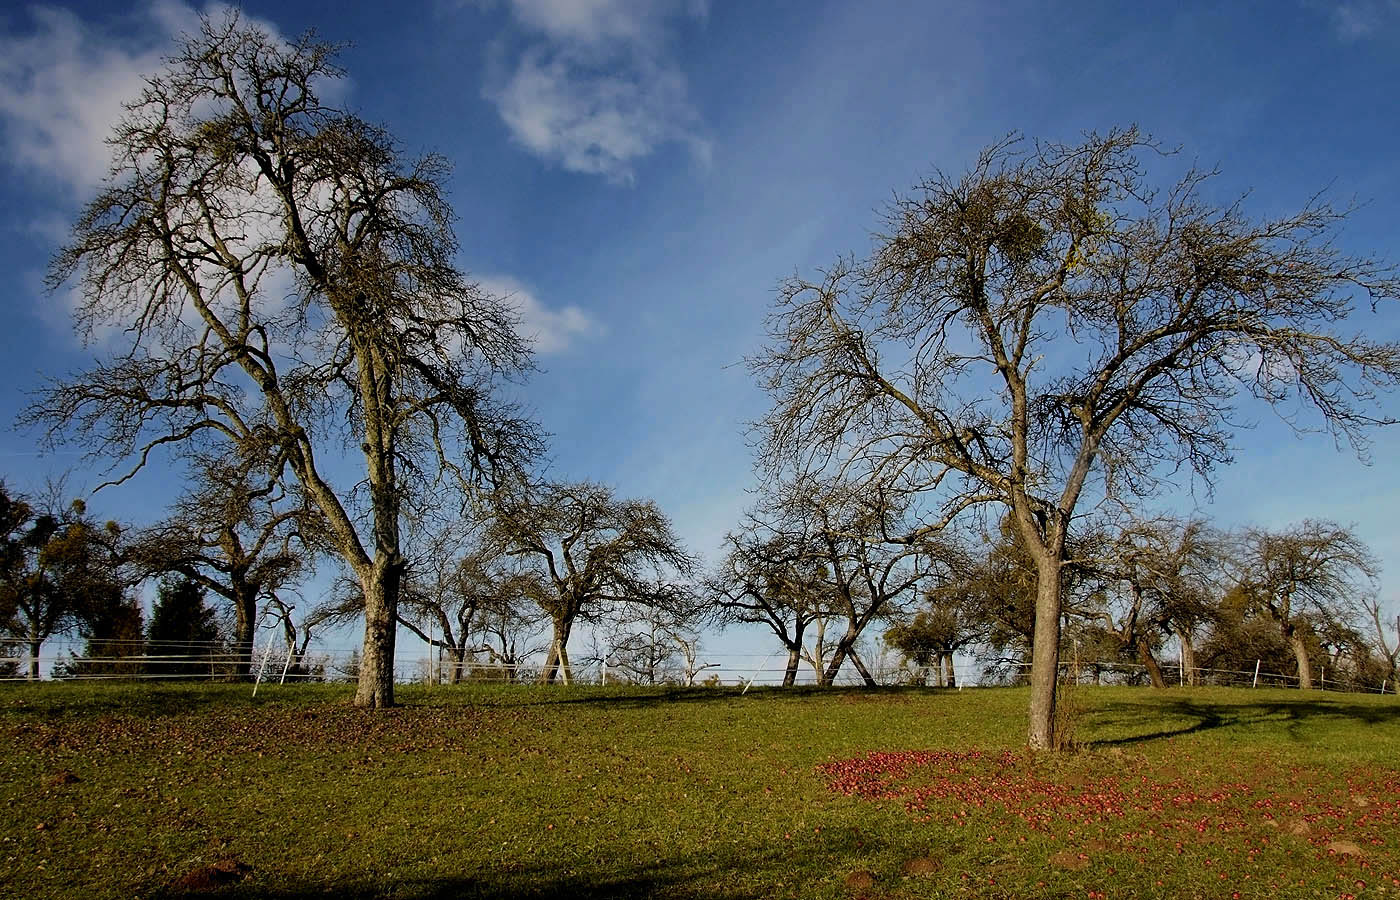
(1311,572)
(768,578)
(238,533)
(1167,571)
(272,273)
(590,549)
(459,588)
(867,575)
(1049,323)
(1389,649)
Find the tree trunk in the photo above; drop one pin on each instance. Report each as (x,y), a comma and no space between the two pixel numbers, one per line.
(1154,671)
(793,661)
(1188,655)
(1045,655)
(558,656)
(860,667)
(950,678)
(457,657)
(34,645)
(375,689)
(1300,652)
(245,615)
(845,647)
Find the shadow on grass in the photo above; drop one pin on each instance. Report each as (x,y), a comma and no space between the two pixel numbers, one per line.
(632,696)
(1210,715)
(716,875)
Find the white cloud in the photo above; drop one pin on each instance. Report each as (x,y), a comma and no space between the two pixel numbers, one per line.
(62,85)
(597,21)
(548,330)
(595,92)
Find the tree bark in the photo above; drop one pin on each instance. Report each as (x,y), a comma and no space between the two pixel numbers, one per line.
(1154,670)
(34,646)
(793,661)
(558,656)
(245,612)
(1045,654)
(375,688)
(457,657)
(1188,655)
(950,678)
(1300,652)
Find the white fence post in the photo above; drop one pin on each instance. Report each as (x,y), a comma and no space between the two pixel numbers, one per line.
(1257,663)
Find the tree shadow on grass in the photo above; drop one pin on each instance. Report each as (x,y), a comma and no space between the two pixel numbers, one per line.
(631,696)
(716,875)
(1209,715)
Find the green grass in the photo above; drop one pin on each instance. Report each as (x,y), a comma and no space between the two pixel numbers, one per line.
(496,791)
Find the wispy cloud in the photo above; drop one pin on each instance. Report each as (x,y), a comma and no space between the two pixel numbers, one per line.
(549,330)
(63,83)
(594,89)
(1355,20)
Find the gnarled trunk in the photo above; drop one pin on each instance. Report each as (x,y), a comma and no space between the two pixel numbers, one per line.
(245,615)
(793,661)
(457,660)
(557,658)
(1154,670)
(380,585)
(1300,653)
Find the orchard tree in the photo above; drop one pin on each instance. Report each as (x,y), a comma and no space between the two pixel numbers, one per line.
(868,577)
(590,549)
(60,571)
(268,272)
(240,535)
(1050,326)
(462,585)
(1302,577)
(1166,571)
(768,577)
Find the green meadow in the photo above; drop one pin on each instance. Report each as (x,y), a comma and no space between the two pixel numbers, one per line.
(122,790)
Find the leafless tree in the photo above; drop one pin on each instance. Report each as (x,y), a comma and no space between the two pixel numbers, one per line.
(462,589)
(1389,649)
(1168,574)
(590,549)
(269,272)
(767,577)
(867,576)
(1302,576)
(240,534)
(1049,324)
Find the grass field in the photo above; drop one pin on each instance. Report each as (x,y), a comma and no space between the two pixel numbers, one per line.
(172,790)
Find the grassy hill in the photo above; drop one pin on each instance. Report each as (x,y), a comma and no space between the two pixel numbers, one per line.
(120,790)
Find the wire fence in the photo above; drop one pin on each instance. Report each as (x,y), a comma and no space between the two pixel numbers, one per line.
(271,660)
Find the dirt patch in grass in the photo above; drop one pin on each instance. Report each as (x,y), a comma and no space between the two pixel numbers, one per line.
(212,876)
(921,866)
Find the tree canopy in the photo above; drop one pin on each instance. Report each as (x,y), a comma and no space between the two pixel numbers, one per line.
(1053,321)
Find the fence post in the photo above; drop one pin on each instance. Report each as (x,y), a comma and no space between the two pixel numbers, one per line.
(1257,662)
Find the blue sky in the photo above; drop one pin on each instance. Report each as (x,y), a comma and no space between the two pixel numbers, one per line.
(641,174)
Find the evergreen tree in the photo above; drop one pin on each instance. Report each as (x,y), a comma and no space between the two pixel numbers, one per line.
(182,634)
